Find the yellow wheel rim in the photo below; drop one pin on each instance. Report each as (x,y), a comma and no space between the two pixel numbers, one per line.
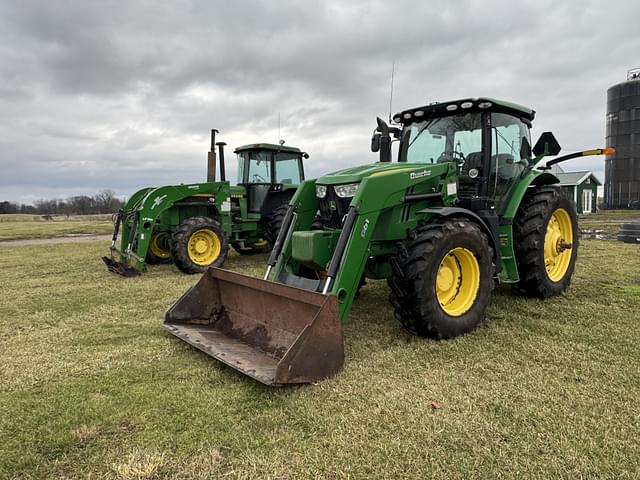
(558,242)
(160,244)
(457,281)
(204,247)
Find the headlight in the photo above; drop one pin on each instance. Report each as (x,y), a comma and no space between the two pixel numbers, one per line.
(346,191)
(321,191)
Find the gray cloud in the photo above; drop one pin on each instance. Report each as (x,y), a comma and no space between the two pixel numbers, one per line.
(111,95)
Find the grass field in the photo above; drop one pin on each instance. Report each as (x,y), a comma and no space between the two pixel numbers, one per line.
(92,387)
(18,226)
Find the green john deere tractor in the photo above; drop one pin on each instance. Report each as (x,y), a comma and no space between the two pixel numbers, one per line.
(467,203)
(194,224)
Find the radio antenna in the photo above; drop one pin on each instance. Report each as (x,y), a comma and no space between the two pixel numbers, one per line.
(279,137)
(393,70)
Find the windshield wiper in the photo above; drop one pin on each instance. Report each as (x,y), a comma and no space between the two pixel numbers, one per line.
(426,125)
(513,150)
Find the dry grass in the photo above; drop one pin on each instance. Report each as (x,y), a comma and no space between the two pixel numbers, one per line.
(85,434)
(92,387)
(19,226)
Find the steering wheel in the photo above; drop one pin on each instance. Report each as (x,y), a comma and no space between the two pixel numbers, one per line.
(258,178)
(460,155)
(444,158)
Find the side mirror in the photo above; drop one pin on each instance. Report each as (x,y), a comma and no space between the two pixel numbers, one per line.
(375,141)
(305,155)
(383,140)
(546,145)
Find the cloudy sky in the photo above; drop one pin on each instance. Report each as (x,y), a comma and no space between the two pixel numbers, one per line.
(119,95)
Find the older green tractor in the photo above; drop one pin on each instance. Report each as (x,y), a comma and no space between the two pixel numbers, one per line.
(467,204)
(193,225)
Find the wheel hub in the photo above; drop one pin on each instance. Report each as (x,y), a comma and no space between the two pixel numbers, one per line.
(562,246)
(204,247)
(445,278)
(557,244)
(201,246)
(457,281)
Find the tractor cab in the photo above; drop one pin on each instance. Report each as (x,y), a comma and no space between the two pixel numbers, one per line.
(487,139)
(265,170)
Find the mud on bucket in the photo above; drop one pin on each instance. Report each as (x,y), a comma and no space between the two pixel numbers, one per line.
(272,332)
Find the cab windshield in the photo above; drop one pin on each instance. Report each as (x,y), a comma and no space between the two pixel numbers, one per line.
(259,167)
(442,139)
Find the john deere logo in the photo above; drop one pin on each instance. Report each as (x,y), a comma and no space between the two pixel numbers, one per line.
(157,201)
(424,173)
(332,205)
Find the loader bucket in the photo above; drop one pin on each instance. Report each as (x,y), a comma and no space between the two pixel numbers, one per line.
(119,268)
(274,333)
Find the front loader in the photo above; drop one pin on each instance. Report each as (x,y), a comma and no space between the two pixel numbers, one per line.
(468,202)
(193,225)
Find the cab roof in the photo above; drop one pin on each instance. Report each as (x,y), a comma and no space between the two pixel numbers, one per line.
(267,146)
(454,107)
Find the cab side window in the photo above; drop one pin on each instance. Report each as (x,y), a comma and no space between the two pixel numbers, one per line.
(287,168)
(510,154)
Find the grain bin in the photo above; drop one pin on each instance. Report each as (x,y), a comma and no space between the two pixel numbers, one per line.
(622,169)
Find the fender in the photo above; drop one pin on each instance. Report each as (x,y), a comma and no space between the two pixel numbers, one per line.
(491,231)
(531,178)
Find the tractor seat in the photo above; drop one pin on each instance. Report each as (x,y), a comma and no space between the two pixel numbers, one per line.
(467,187)
(472,160)
(507,166)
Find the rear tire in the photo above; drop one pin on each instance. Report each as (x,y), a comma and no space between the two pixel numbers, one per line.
(277,218)
(442,279)
(197,244)
(159,248)
(546,223)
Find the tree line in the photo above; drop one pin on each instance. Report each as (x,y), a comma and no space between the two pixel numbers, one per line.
(103,202)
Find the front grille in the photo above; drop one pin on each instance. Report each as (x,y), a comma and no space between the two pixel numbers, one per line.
(333,209)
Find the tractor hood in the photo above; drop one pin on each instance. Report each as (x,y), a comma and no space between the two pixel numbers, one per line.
(357,174)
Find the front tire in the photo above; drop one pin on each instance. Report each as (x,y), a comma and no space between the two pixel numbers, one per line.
(159,248)
(197,244)
(442,279)
(545,236)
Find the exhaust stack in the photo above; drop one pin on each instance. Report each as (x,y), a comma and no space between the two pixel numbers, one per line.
(211,157)
(223,174)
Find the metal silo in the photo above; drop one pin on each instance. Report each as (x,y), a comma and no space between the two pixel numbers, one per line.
(622,169)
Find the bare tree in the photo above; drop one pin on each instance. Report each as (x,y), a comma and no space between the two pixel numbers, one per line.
(107,202)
